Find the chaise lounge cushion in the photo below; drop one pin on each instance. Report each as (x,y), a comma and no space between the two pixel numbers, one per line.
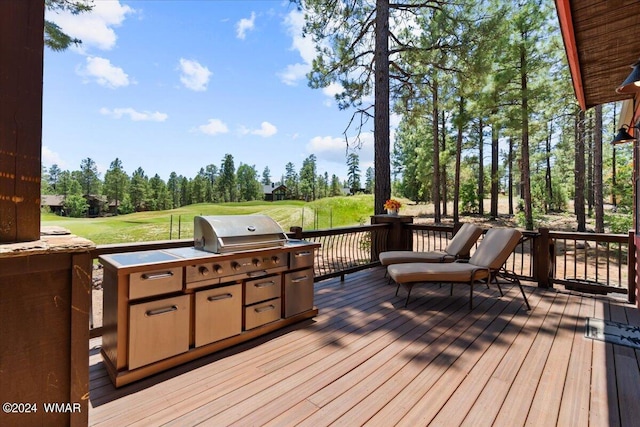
(459,246)
(424,272)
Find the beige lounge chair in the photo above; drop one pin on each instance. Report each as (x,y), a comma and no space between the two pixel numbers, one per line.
(483,267)
(459,247)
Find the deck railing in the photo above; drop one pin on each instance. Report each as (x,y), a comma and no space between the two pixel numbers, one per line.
(588,262)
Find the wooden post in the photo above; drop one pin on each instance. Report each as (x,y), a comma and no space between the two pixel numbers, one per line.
(297,232)
(21,55)
(399,237)
(632,289)
(542,258)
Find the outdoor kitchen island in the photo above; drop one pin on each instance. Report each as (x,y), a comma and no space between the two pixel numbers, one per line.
(166,307)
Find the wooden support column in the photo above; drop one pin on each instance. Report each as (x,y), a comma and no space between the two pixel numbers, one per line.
(399,237)
(544,251)
(21,56)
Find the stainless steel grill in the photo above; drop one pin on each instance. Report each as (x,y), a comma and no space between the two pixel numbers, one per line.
(233,233)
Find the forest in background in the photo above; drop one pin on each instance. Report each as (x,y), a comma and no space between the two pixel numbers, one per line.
(486,106)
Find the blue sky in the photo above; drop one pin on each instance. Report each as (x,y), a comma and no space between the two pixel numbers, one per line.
(175,85)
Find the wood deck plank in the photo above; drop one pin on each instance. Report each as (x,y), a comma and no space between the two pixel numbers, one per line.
(407,388)
(464,397)
(545,405)
(516,405)
(627,374)
(366,359)
(432,402)
(603,385)
(574,404)
(488,403)
(348,398)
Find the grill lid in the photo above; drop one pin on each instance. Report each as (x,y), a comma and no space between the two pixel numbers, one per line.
(231,233)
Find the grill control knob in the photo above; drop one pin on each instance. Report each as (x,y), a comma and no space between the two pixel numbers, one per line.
(275,259)
(204,271)
(218,269)
(257,262)
(235,266)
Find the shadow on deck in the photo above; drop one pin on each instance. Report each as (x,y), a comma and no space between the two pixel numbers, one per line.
(365,359)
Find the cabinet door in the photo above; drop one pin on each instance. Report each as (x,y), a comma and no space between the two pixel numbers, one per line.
(157,330)
(218,314)
(157,282)
(262,289)
(263,313)
(298,292)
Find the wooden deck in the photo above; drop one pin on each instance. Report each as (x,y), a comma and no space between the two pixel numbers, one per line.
(366,360)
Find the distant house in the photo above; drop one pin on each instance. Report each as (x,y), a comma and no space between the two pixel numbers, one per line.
(272,193)
(54,202)
(97,204)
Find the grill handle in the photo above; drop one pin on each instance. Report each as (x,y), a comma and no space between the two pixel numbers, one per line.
(257,273)
(299,279)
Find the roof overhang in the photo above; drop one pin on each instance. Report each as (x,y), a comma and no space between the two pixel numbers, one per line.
(599,39)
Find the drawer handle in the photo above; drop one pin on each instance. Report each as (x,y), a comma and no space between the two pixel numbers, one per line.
(304,253)
(157,311)
(264,284)
(299,279)
(257,273)
(219,297)
(265,308)
(162,275)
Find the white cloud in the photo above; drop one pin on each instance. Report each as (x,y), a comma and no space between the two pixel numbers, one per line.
(214,127)
(194,75)
(136,116)
(104,72)
(245,25)
(51,158)
(266,130)
(294,22)
(94,28)
(334,149)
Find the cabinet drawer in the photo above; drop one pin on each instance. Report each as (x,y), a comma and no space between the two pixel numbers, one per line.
(298,292)
(261,314)
(218,314)
(155,282)
(262,289)
(157,330)
(301,258)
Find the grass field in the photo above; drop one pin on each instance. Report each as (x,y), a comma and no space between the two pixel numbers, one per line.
(178,223)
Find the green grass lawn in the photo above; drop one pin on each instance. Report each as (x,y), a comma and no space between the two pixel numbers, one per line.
(178,223)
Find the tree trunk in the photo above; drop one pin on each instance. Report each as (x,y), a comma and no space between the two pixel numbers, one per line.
(597,171)
(436,156)
(510,178)
(547,175)
(456,184)
(481,169)
(579,174)
(443,179)
(524,149)
(382,167)
(494,170)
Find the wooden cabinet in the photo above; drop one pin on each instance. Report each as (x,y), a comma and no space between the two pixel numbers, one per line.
(298,292)
(218,314)
(158,329)
(162,309)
